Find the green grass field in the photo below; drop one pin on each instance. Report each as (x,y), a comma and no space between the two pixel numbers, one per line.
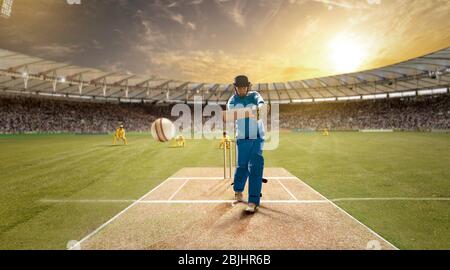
(343,165)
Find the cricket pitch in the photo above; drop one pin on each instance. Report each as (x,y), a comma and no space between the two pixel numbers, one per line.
(194,209)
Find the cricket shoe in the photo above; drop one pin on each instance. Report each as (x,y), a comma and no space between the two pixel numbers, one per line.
(238,197)
(251,208)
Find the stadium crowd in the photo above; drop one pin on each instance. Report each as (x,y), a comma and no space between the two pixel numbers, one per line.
(30,114)
(423,113)
(21,114)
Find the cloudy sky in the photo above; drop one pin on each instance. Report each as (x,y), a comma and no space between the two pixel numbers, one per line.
(214,40)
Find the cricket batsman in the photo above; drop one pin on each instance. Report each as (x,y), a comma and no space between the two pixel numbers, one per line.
(120,134)
(249,140)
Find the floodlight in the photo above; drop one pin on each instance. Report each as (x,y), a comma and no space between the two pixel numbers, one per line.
(6,8)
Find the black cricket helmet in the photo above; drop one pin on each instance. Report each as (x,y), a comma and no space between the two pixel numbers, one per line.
(241,81)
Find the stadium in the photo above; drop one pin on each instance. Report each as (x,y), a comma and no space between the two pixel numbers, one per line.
(361,160)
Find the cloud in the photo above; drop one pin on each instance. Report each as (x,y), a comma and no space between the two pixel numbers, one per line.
(270,9)
(298,51)
(305,31)
(373,2)
(196,2)
(150,38)
(220,67)
(57,50)
(174,4)
(191,25)
(237,15)
(117,66)
(394,32)
(96,45)
(234,11)
(345,4)
(179,3)
(178,18)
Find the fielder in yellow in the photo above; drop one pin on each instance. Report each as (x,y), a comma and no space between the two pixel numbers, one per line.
(225,141)
(180,140)
(325,132)
(120,135)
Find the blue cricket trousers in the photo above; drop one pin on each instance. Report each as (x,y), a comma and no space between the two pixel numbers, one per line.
(250,164)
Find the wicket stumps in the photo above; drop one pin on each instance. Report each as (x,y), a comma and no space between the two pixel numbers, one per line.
(229,151)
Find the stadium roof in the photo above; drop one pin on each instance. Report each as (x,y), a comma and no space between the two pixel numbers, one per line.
(21,73)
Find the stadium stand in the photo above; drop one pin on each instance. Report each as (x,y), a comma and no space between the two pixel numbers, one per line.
(44,115)
(421,113)
(32,114)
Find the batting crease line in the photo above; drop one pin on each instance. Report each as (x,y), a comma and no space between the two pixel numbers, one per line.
(85,201)
(390,199)
(221,178)
(177,201)
(225,201)
(230,201)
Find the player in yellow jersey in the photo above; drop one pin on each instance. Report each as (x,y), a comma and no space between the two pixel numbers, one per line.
(180,140)
(325,132)
(120,134)
(225,141)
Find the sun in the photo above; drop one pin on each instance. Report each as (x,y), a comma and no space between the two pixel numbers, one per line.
(346,53)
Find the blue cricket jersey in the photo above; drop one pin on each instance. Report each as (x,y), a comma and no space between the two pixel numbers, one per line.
(247,128)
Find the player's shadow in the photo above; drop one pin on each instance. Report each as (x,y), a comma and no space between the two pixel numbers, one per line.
(237,222)
(264,210)
(272,210)
(108,145)
(246,215)
(273,213)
